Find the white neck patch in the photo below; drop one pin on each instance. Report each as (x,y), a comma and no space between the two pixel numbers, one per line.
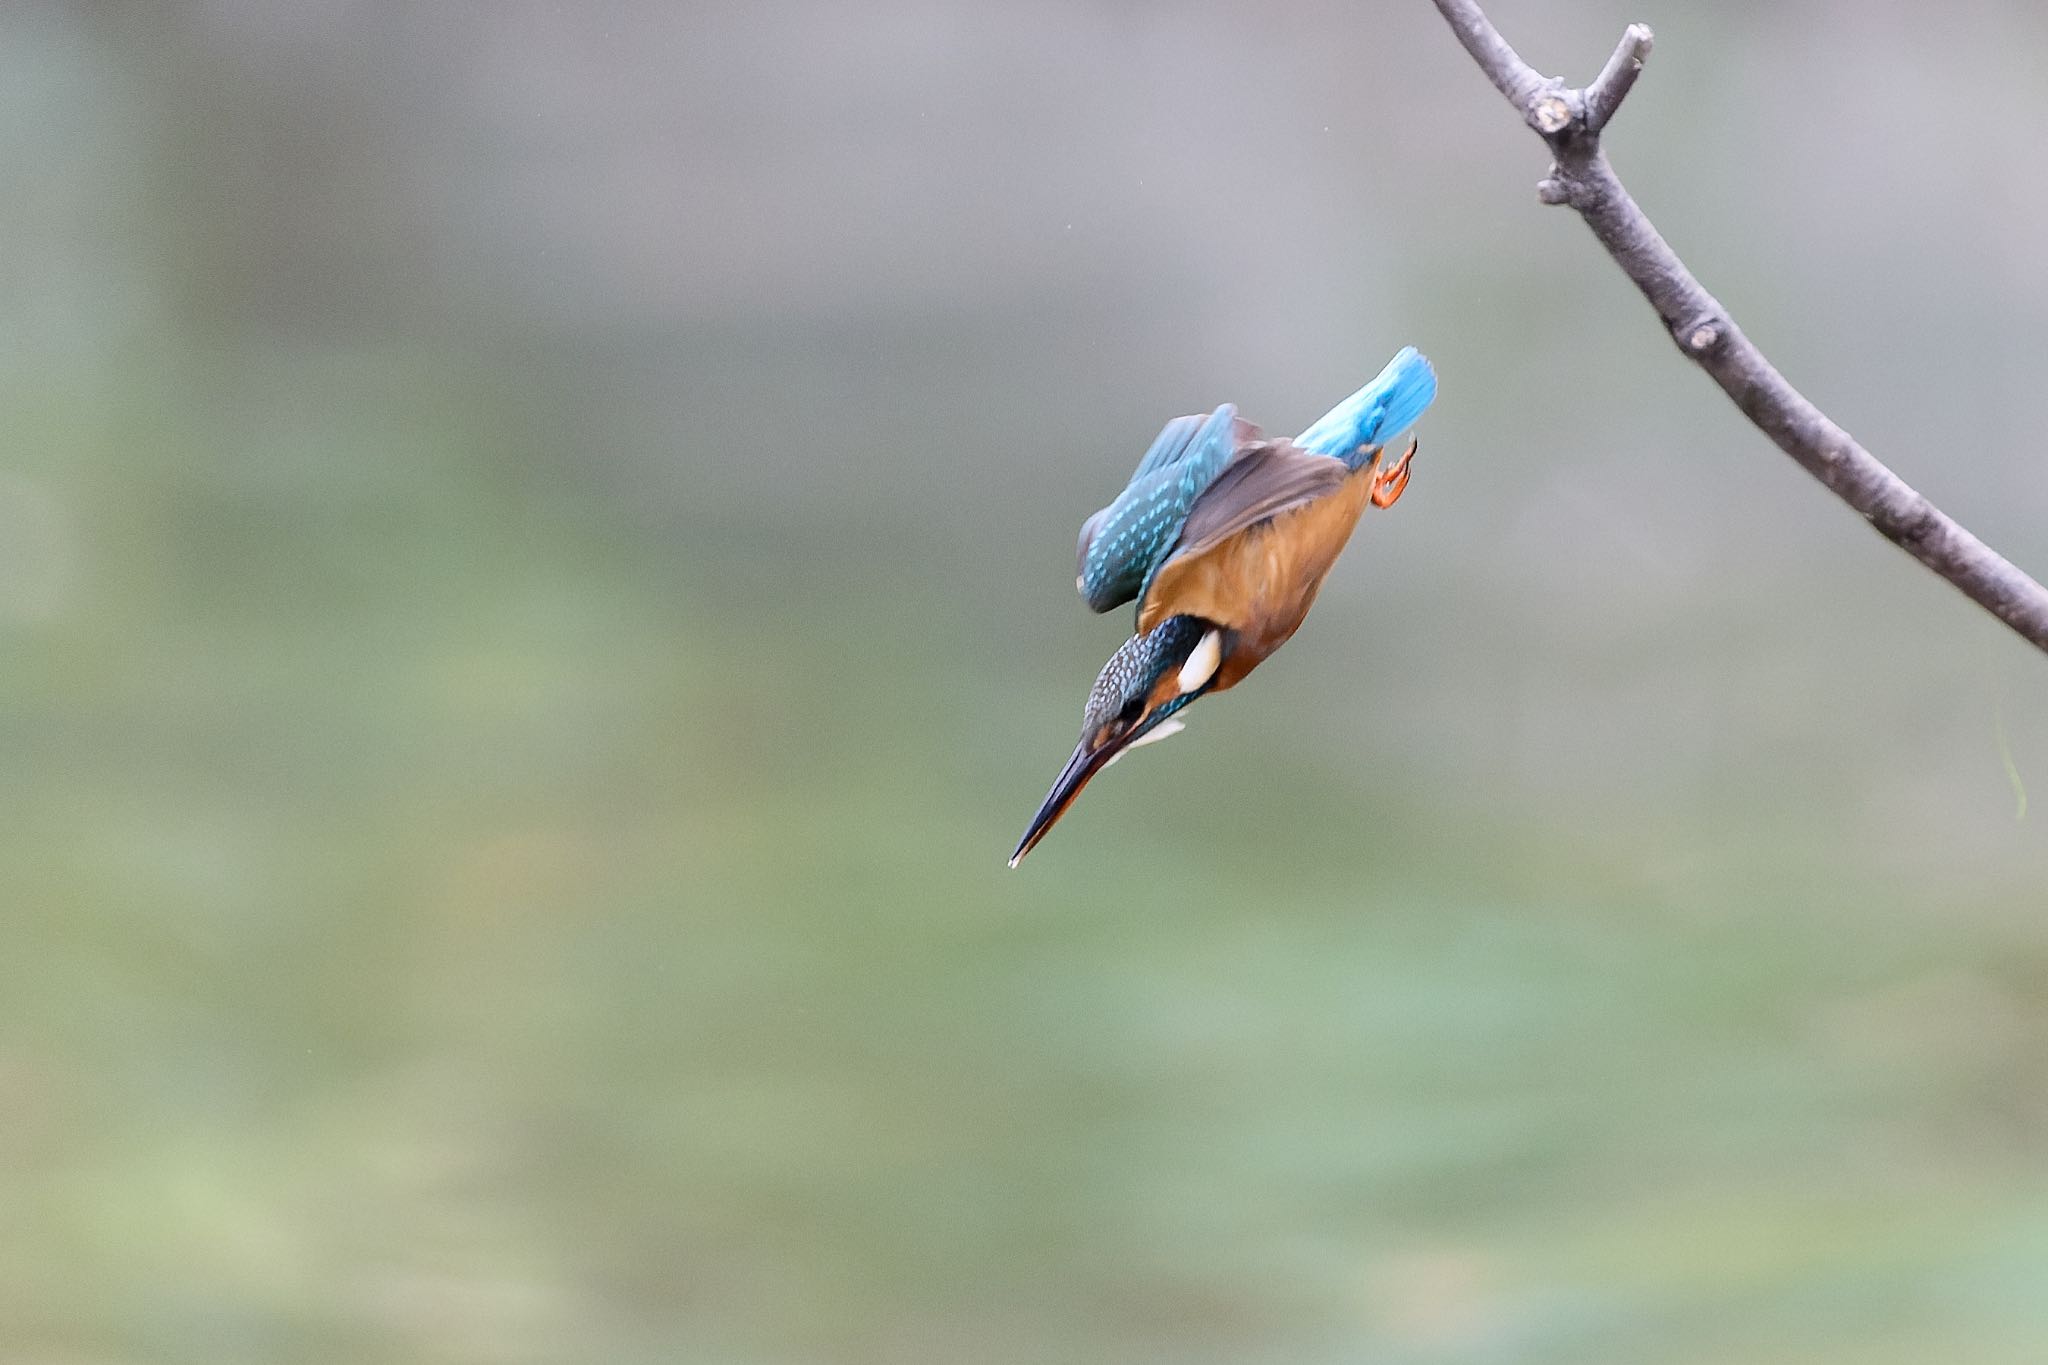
(1201,665)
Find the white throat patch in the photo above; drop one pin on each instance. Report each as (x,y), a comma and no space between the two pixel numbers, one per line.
(1164,729)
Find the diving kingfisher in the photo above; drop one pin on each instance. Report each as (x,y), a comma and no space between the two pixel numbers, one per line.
(1223,538)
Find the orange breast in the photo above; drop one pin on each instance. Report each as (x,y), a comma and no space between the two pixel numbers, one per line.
(1261,582)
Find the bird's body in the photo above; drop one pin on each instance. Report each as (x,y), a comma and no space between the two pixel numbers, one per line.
(1259,583)
(1224,538)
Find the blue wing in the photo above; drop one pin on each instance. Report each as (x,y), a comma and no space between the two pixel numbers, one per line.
(1170,445)
(1121,544)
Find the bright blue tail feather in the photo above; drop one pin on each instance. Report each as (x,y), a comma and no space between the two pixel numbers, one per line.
(1382,409)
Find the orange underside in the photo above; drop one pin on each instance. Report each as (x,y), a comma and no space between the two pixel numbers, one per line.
(1261,582)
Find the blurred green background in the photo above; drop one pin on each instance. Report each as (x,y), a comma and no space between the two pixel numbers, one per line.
(535,563)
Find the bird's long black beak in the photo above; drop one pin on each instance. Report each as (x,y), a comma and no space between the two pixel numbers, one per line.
(1087,761)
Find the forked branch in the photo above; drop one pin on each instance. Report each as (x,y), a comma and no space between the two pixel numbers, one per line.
(1570,121)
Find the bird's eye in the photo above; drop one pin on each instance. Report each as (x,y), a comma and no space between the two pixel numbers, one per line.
(1133,708)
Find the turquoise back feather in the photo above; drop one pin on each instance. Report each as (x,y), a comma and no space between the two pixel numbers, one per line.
(1377,413)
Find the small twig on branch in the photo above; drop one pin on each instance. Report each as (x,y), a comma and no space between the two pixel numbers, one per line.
(1611,86)
(1570,122)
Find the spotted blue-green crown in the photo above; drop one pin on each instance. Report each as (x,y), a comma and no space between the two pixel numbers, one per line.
(1131,673)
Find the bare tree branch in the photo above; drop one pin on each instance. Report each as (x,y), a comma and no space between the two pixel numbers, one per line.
(1611,86)
(1570,122)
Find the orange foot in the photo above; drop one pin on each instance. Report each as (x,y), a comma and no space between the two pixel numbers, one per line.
(1388,483)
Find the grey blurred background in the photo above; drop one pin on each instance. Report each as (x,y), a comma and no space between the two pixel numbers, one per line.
(535,562)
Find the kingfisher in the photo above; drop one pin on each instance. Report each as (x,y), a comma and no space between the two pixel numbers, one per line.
(1223,538)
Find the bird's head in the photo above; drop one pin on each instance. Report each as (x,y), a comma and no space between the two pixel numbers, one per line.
(1132,703)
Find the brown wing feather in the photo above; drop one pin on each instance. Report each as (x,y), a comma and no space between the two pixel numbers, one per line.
(1263,481)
